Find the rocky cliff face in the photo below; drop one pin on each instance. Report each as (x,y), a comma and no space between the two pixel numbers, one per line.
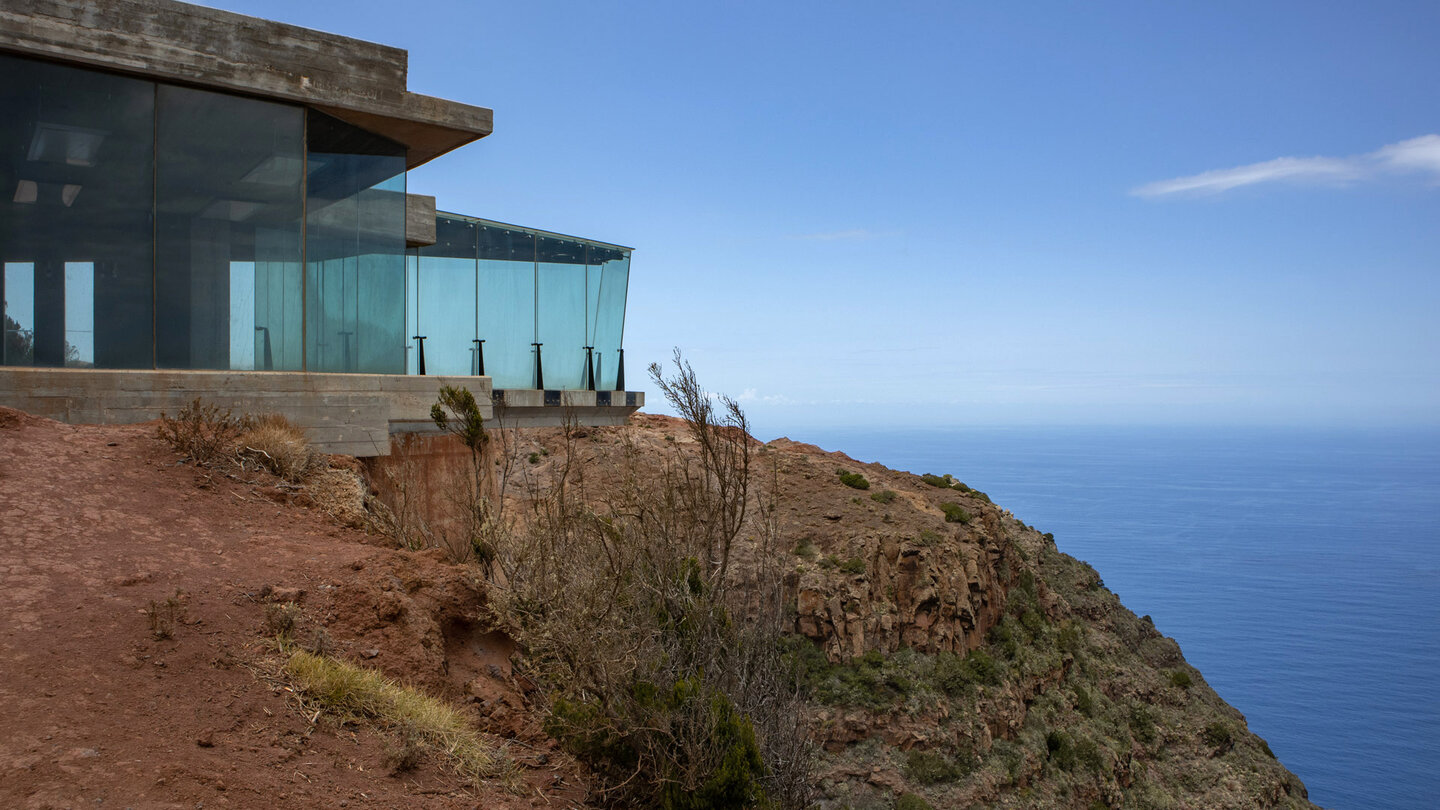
(952,656)
(879,567)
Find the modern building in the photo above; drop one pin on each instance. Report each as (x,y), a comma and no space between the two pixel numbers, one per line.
(200,203)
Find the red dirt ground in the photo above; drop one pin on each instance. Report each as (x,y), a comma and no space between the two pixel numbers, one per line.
(99,523)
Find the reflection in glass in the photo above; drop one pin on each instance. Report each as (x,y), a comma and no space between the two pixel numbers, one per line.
(355,250)
(76,168)
(19,306)
(228,205)
(80,314)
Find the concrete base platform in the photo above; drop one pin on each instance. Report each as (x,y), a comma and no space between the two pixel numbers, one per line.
(353,414)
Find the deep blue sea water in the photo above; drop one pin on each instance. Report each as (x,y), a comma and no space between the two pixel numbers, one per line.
(1298,569)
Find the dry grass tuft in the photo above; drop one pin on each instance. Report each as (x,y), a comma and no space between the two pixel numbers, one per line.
(165,615)
(419,718)
(279,446)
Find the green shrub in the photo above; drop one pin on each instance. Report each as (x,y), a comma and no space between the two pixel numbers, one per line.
(854,480)
(1084,703)
(928,537)
(733,781)
(1071,637)
(954,675)
(1060,750)
(941,481)
(883,496)
(1033,622)
(955,513)
(534,458)
(1180,678)
(931,767)
(910,801)
(1142,724)
(806,549)
(1089,755)
(1003,637)
(1219,735)
(829,561)
(854,565)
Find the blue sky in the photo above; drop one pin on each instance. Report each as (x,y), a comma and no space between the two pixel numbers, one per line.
(947,213)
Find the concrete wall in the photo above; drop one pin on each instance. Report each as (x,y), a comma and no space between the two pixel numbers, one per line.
(361,82)
(341,413)
(353,414)
(419,220)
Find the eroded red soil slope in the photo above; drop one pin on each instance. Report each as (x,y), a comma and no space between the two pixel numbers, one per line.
(98,523)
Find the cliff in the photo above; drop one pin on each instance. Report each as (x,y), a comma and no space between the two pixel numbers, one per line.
(946,653)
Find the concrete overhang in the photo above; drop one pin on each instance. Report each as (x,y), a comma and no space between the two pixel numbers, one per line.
(360,82)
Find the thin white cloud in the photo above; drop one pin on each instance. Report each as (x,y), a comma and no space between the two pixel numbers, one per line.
(1420,154)
(1415,156)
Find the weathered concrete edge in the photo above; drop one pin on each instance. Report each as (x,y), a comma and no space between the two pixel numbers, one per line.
(353,414)
(163,39)
(341,413)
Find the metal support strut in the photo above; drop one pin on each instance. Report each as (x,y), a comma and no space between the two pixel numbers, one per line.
(420,339)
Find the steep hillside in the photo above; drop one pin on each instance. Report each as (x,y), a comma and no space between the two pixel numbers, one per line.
(948,654)
(952,654)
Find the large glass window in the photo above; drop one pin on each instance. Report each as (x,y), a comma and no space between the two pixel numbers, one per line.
(228,204)
(605,305)
(505,305)
(354,250)
(560,289)
(147,225)
(76,174)
(445,296)
(18,286)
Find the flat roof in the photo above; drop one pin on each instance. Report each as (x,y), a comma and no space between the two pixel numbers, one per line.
(360,82)
(535,231)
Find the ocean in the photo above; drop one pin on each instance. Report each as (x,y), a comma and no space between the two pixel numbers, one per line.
(1298,569)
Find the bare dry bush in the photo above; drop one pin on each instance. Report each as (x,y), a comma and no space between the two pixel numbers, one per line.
(276,444)
(668,683)
(202,432)
(403,519)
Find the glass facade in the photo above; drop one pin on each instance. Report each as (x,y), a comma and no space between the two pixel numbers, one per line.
(354,250)
(528,287)
(76,170)
(148,225)
(228,217)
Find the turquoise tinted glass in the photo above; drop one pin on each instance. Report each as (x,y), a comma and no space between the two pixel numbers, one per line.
(560,292)
(505,305)
(355,250)
(445,297)
(610,277)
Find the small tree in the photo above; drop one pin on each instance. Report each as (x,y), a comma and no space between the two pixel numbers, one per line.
(667,685)
(718,497)
(456,413)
